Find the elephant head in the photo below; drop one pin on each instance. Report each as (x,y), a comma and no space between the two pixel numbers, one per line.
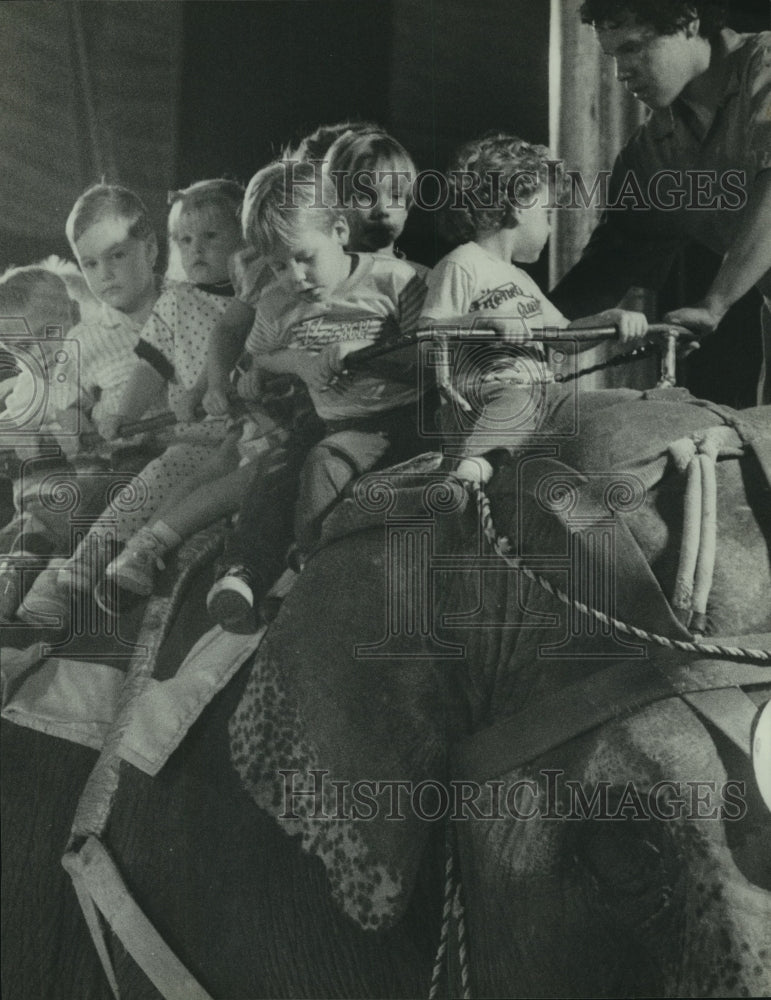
(357,698)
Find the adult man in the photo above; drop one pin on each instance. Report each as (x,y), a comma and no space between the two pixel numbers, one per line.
(699,169)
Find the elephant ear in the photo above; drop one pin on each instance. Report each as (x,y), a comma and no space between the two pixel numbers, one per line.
(343,715)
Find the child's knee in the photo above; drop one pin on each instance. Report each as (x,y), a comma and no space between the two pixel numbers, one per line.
(327,470)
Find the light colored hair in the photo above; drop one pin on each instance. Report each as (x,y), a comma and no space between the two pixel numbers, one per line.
(20,293)
(284,198)
(220,194)
(496,162)
(374,150)
(315,146)
(19,286)
(103,201)
(77,286)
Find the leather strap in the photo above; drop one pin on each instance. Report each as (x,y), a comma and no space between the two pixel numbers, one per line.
(620,689)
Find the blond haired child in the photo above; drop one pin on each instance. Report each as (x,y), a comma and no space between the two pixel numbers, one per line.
(111,235)
(373,175)
(324,304)
(171,356)
(168,356)
(36,312)
(251,277)
(501,211)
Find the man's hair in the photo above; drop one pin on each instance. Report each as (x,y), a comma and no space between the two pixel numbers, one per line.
(373,150)
(488,178)
(284,198)
(104,201)
(666,17)
(222,194)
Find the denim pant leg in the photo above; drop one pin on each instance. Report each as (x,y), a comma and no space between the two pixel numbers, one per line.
(263,531)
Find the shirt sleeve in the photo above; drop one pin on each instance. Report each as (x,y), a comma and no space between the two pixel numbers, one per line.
(265,336)
(156,345)
(450,291)
(551,314)
(759,93)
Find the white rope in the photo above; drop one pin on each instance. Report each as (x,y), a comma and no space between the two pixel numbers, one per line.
(702,649)
(459,912)
(444,935)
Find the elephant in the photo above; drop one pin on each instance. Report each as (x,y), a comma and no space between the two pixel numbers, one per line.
(200,857)
(365,706)
(440,654)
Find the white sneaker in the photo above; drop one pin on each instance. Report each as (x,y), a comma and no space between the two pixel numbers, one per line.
(134,569)
(83,569)
(47,602)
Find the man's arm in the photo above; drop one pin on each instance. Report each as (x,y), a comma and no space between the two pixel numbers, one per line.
(630,246)
(617,257)
(746,261)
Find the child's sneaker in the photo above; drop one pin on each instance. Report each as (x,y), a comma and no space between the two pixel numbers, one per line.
(25,546)
(48,602)
(79,573)
(230,601)
(134,569)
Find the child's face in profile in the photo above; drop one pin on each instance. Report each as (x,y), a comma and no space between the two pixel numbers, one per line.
(533,227)
(315,264)
(118,266)
(380,218)
(206,240)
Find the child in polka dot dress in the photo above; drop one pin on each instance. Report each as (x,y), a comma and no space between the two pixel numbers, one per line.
(171,356)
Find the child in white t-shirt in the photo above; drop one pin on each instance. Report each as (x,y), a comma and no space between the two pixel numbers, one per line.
(373,175)
(324,304)
(500,207)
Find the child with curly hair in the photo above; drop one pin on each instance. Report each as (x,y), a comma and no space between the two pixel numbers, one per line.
(500,209)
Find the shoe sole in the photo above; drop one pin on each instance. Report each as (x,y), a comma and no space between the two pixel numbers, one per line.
(233,612)
(52,616)
(132,584)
